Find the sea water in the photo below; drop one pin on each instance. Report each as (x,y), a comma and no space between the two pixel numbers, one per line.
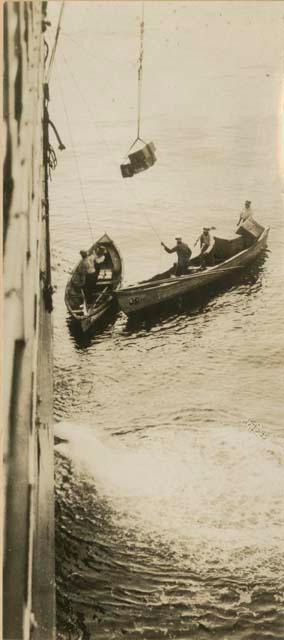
(169,472)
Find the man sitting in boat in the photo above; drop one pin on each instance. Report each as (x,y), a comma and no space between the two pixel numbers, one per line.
(100,255)
(183,253)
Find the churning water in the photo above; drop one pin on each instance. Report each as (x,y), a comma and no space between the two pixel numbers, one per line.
(170,466)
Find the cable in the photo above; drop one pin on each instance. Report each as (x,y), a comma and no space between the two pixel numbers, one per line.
(77,165)
(140,72)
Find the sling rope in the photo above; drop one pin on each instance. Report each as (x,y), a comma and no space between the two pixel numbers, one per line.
(77,165)
(55,42)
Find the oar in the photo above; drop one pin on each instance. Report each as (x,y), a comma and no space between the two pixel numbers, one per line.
(99,298)
(84,303)
(101,294)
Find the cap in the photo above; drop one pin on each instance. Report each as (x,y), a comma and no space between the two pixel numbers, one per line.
(206,228)
(178,238)
(83,253)
(100,250)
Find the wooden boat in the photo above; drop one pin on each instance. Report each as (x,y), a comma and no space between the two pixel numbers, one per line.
(230,255)
(86,306)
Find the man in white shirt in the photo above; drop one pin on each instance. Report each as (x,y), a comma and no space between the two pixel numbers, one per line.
(246,212)
(206,240)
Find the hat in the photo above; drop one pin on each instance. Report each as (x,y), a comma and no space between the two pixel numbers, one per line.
(178,238)
(83,253)
(100,248)
(206,228)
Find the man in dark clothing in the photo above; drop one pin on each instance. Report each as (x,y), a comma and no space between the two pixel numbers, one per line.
(183,253)
(79,276)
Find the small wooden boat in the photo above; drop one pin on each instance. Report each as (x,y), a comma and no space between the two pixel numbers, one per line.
(89,304)
(228,256)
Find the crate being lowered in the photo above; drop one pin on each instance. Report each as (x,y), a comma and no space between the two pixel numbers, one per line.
(144,157)
(139,160)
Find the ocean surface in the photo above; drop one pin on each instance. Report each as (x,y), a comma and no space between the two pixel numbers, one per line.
(169,481)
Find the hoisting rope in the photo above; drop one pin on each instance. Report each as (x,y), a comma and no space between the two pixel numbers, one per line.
(77,165)
(55,43)
(140,77)
(140,72)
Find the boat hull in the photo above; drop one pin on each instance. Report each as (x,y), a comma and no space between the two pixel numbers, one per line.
(90,317)
(138,297)
(94,316)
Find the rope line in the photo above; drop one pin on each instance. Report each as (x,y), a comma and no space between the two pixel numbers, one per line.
(140,73)
(55,42)
(152,226)
(77,165)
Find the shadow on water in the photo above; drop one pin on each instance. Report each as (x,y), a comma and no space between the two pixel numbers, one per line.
(84,340)
(194,303)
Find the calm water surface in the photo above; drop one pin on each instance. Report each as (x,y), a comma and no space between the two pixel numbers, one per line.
(169,489)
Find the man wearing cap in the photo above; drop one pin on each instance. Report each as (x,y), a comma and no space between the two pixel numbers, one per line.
(246,212)
(79,276)
(206,240)
(183,253)
(91,271)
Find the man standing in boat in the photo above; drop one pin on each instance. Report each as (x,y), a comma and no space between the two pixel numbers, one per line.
(207,242)
(95,261)
(246,213)
(79,276)
(183,253)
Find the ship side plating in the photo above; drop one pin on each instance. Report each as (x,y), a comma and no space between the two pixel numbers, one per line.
(28,502)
